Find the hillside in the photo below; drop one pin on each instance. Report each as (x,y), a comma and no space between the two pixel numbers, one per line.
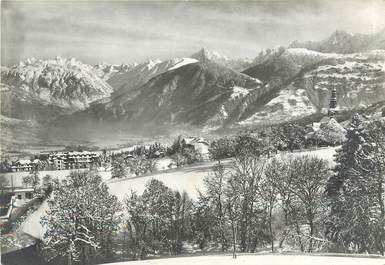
(196,93)
(137,75)
(302,81)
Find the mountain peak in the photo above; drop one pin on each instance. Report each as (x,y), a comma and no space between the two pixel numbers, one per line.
(205,54)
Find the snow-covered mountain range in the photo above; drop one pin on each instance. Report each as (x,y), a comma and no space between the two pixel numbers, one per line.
(205,90)
(204,55)
(343,42)
(63,85)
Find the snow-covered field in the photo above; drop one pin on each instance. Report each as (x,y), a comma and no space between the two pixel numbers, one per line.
(189,179)
(17,177)
(261,260)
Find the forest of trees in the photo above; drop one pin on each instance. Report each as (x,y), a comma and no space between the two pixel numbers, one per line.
(259,202)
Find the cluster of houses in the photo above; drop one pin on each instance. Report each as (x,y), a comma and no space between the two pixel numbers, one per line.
(24,165)
(84,159)
(58,161)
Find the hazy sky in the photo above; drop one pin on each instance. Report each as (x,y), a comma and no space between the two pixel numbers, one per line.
(123,31)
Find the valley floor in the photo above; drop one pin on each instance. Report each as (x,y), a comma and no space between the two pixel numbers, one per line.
(263,259)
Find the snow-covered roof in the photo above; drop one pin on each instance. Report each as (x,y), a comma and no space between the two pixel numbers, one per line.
(334,125)
(182,62)
(194,140)
(24,161)
(23,190)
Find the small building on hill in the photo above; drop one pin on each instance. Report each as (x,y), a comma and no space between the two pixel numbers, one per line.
(198,144)
(328,130)
(330,133)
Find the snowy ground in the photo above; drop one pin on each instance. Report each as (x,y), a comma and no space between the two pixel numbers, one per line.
(17,177)
(189,179)
(269,259)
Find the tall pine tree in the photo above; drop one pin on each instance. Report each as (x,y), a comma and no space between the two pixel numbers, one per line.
(355,191)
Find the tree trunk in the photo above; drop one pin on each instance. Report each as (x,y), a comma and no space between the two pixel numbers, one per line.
(311,235)
(299,235)
(382,215)
(285,231)
(271,229)
(234,240)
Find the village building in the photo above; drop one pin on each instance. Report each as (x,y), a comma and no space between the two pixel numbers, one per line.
(72,160)
(24,165)
(328,129)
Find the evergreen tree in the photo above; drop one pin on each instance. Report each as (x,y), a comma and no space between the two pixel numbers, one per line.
(356,190)
(119,167)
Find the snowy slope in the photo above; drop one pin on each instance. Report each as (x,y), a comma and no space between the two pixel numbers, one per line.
(138,74)
(188,92)
(64,83)
(301,81)
(184,61)
(290,104)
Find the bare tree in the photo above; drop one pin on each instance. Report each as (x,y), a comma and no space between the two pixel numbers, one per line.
(215,185)
(309,186)
(268,193)
(233,203)
(247,171)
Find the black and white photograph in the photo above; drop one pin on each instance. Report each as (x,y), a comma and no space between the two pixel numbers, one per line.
(212,132)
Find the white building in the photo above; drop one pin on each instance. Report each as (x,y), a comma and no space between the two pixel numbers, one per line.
(72,160)
(24,165)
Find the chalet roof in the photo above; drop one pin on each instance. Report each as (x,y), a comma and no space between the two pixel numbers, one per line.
(194,140)
(333,124)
